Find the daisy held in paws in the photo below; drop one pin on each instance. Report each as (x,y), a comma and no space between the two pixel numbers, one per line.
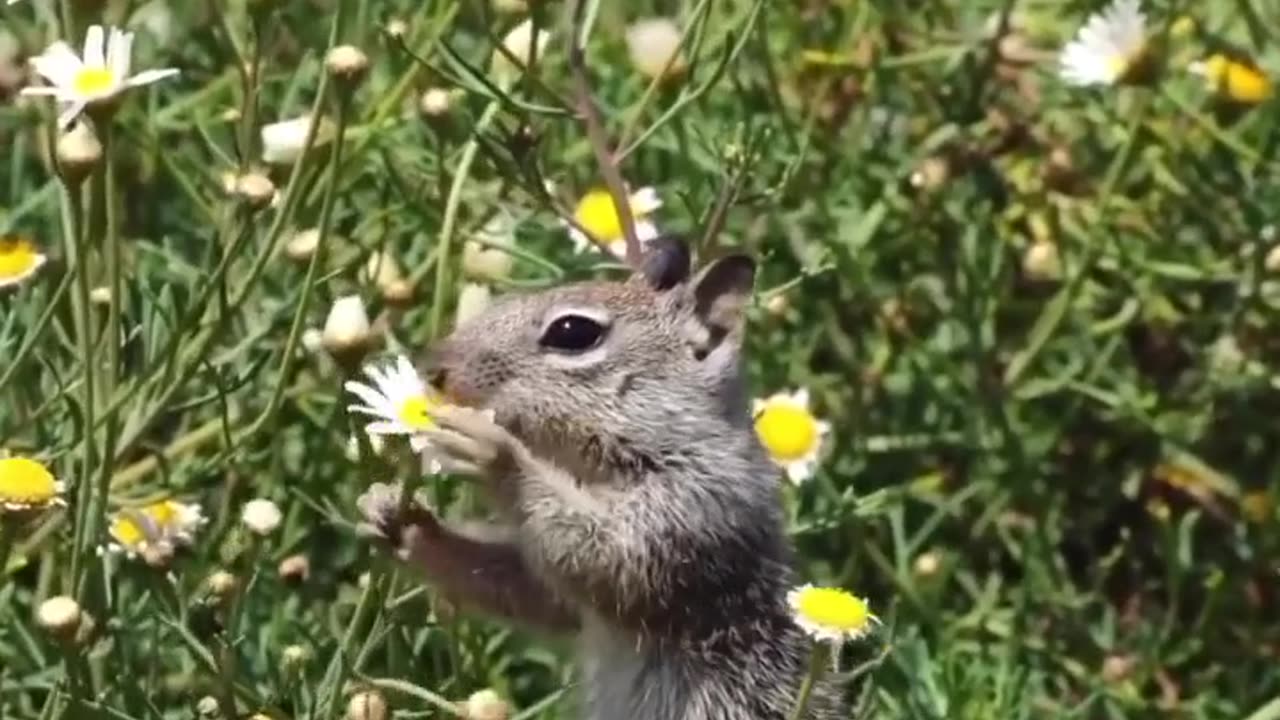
(96,78)
(400,399)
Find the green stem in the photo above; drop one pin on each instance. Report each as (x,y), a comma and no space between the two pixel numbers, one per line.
(77,250)
(313,269)
(112,253)
(454,200)
(817,661)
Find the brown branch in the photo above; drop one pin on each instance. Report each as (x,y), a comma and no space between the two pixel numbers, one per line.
(596,135)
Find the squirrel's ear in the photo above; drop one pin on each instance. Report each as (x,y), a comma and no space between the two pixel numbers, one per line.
(721,293)
(666,262)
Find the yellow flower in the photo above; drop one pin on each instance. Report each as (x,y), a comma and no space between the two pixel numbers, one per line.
(18,260)
(1257,506)
(167,522)
(1237,80)
(597,214)
(1183,26)
(831,613)
(27,485)
(790,432)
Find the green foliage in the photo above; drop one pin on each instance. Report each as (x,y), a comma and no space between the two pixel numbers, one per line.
(1055,488)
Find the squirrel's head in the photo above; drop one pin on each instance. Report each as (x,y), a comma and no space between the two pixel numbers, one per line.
(609,363)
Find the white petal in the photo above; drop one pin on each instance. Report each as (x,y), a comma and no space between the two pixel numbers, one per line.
(95,47)
(387,427)
(42,91)
(146,77)
(69,114)
(801,397)
(799,471)
(119,52)
(645,200)
(58,64)
(580,240)
(371,396)
(646,231)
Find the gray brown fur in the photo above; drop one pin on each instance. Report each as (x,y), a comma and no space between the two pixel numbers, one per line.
(637,507)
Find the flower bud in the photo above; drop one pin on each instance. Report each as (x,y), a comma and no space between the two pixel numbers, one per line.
(654,47)
(367,705)
(312,340)
(347,64)
(294,657)
(207,708)
(255,190)
(79,152)
(778,304)
(347,333)
(384,272)
(932,173)
(519,42)
(295,569)
(61,616)
(396,29)
(221,585)
(302,245)
(100,295)
(1272,261)
(435,102)
(261,516)
(472,301)
(1041,262)
(158,554)
(486,705)
(927,564)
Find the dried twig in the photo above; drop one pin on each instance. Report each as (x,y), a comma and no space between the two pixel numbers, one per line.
(595,132)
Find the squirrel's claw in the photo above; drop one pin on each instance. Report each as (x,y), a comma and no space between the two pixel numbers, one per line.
(383,520)
(470,443)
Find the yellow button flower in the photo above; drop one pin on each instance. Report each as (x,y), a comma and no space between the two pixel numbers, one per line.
(1237,80)
(831,613)
(27,485)
(19,260)
(597,214)
(790,433)
(167,523)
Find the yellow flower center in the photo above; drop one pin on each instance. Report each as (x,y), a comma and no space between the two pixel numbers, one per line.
(127,531)
(92,81)
(598,215)
(833,609)
(24,481)
(17,257)
(416,412)
(787,430)
(164,513)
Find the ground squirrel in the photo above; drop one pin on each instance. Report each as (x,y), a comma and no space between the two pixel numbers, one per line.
(637,507)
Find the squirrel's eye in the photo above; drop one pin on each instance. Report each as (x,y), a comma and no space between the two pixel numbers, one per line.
(574,333)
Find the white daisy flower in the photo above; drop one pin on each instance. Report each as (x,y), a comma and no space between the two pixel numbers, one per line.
(598,215)
(831,614)
(18,260)
(790,433)
(282,142)
(166,522)
(1109,46)
(102,73)
(401,400)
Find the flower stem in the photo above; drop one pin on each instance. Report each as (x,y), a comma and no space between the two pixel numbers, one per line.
(817,661)
(77,250)
(313,270)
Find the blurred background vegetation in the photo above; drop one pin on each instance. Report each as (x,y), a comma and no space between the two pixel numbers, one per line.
(1042,320)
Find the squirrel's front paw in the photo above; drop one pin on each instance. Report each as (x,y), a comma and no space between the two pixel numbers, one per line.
(384,521)
(469,442)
